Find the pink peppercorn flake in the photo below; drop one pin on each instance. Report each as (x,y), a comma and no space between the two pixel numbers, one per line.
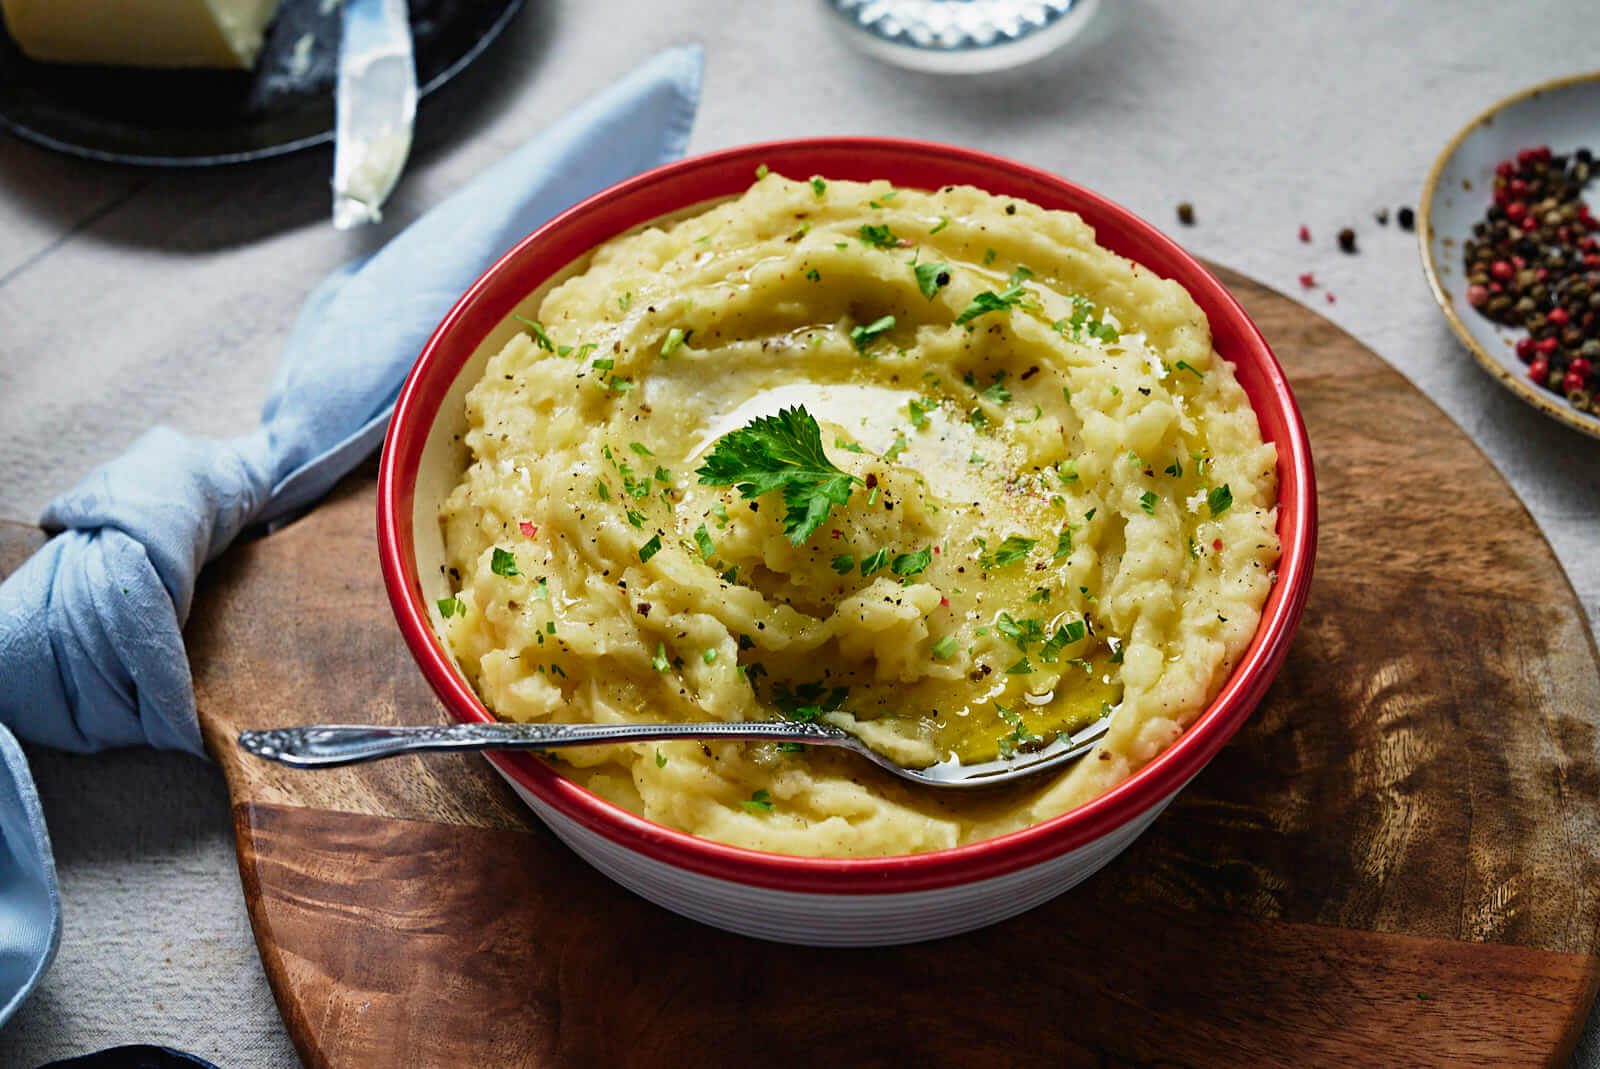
(944,603)
(1305,234)
(1216,544)
(528,530)
(1308,280)
(1330,298)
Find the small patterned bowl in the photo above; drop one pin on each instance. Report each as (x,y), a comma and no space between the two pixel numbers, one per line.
(820,901)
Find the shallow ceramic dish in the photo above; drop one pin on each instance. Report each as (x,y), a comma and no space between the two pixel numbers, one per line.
(819,901)
(1563,114)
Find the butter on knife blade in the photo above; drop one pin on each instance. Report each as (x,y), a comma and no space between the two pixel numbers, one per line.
(376,103)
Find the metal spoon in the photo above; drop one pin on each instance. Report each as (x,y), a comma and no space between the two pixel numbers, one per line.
(331,745)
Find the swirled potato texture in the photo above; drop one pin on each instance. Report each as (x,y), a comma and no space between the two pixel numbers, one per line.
(1012,489)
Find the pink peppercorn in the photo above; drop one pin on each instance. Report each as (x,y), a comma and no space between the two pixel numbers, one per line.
(1477,295)
(1501,271)
(1557,317)
(1516,210)
(1545,346)
(1580,367)
(1525,349)
(1539,370)
(1571,382)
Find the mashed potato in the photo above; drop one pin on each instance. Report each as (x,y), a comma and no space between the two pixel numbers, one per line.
(1024,492)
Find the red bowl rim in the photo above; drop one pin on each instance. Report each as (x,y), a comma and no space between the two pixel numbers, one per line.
(905,163)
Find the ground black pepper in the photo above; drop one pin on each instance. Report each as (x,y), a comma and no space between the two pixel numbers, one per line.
(1186,213)
(1347,240)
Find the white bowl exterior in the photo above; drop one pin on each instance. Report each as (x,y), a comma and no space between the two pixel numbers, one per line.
(835,920)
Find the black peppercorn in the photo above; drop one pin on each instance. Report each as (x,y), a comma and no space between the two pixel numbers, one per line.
(1186,213)
(1347,240)
(1406,218)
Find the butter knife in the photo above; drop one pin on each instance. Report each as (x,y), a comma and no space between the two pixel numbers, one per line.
(376,103)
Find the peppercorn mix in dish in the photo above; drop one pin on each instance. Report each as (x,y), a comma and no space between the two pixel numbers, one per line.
(933,466)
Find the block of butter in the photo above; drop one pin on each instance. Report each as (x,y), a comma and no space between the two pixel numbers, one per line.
(141,33)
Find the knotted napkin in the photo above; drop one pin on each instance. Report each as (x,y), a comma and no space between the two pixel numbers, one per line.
(91,647)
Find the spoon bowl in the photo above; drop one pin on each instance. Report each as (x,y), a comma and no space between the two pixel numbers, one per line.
(334,745)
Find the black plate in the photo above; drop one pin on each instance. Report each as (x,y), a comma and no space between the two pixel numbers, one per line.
(202,118)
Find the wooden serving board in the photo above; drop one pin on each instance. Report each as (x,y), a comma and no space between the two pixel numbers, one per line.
(1395,862)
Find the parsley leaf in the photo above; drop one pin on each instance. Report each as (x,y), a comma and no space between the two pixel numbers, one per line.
(1013,549)
(909,564)
(661,758)
(844,563)
(865,336)
(944,648)
(1219,500)
(919,411)
(818,186)
(990,301)
(674,341)
(931,278)
(503,563)
(540,337)
(452,606)
(702,541)
(1184,365)
(781,452)
(1147,501)
(1063,544)
(944,221)
(879,237)
(650,548)
(760,801)
(659,662)
(875,562)
(996,394)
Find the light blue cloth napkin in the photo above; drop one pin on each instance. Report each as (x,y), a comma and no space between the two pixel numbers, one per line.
(91,646)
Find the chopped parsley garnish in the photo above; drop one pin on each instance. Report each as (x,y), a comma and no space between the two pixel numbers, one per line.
(640,448)
(762,170)
(1019,275)
(1067,472)
(708,655)
(1063,545)
(909,564)
(1013,549)
(602,489)
(1021,668)
(898,447)
(944,221)
(977,458)
(879,237)
(759,802)
(781,452)
(851,447)
(503,563)
(1063,637)
(931,278)
(702,541)
(844,563)
(1175,469)
(541,589)
(540,337)
(661,758)
(674,342)
(1194,554)
(622,385)
(452,606)
(988,257)
(814,275)
(1117,650)
(1184,365)
(874,562)
(1021,633)
(1040,596)
(625,300)
(864,336)
(990,301)
(1219,500)
(605,364)
(818,186)
(919,411)
(659,662)
(944,648)
(997,394)
(807,701)
(636,518)
(1147,501)
(650,548)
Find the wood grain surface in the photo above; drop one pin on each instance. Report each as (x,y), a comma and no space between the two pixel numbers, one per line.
(1395,862)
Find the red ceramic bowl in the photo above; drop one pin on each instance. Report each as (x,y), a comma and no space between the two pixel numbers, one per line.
(802,899)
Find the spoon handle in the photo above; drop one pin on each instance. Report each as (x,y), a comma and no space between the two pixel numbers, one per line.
(330,745)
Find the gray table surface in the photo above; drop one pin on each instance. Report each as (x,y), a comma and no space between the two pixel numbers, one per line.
(130,297)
